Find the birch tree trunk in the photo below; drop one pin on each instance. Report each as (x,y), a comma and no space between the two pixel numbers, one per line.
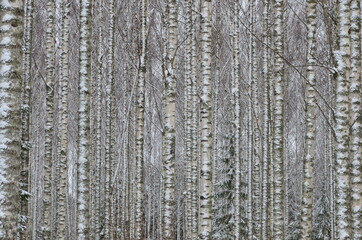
(49,128)
(110,148)
(256,184)
(169,126)
(113,177)
(206,194)
(188,117)
(343,227)
(250,167)
(194,134)
(62,169)
(140,108)
(310,144)
(356,120)
(332,178)
(332,41)
(236,103)
(131,164)
(278,151)
(10,114)
(271,152)
(266,119)
(95,231)
(25,118)
(84,123)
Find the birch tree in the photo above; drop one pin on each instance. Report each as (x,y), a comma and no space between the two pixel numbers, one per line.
(10,114)
(25,118)
(343,227)
(62,154)
(113,124)
(236,103)
(110,126)
(84,123)
(194,131)
(266,119)
(188,116)
(255,140)
(355,120)
(206,193)
(169,125)
(310,146)
(49,102)
(332,42)
(139,216)
(49,129)
(278,141)
(250,130)
(96,221)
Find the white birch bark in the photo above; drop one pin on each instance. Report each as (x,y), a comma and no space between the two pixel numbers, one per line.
(251,132)
(125,214)
(271,152)
(131,172)
(110,125)
(96,222)
(310,144)
(84,123)
(270,226)
(343,227)
(107,159)
(188,117)
(332,179)
(256,184)
(169,124)
(139,171)
(266,119)
(194,131)
(332,40)
(206,193)
(356,121)
(49,129)
(111,79)
(132,167)
(23,224)
(62,169)
(278,141)
(10,113)
(271,167)
(236,120)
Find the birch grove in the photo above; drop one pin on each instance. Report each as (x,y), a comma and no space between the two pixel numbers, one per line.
(180,119)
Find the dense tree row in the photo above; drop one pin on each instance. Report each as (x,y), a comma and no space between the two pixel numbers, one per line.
(180,119)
